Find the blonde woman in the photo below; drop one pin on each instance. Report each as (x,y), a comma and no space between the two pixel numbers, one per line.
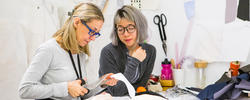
(57,69)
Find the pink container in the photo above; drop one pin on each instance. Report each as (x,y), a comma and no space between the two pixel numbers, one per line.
(166,72)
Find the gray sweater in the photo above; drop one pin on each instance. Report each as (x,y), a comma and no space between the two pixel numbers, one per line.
(49,72)
(115,59)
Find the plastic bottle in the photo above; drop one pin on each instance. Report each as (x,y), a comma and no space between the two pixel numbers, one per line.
(166,72)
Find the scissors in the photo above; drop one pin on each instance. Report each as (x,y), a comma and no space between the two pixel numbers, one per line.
(161,21)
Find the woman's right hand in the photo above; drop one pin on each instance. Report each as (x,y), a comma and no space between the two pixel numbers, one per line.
(139,54)
(75,89)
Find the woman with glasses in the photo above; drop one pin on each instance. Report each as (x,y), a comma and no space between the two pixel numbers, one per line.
(128,53)
(57,70)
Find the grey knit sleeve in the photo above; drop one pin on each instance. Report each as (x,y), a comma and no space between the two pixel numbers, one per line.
(31,87)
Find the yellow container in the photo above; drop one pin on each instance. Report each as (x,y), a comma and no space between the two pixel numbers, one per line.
(164,88)
(200,64)
(167,83)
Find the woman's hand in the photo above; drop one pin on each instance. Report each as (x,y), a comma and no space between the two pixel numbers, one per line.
(75,89)
(110,81)
(139,54)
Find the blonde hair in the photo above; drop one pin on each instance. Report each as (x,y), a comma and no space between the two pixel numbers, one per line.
(66,36)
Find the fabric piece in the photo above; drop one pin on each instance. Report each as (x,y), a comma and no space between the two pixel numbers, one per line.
(222,91)
(235,94)
(245,69)
(189,9)
(243,85)
(121,77)
(224,78)
(244,76)
(243,10)
(229,91)
(208,92)
(231,10)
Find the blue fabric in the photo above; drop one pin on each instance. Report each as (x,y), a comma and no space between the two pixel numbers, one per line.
(220,94)
(243,76)
(220,89)
(189,9)
(225,90)
(209,91)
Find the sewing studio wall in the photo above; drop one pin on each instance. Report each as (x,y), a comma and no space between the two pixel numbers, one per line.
(210,30)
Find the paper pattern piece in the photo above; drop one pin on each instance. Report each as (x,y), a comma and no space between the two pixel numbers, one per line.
(236,44)
(121,77)
(231,11)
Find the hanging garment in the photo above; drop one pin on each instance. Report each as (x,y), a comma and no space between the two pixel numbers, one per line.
(189,9)
(243,10)
(231,10)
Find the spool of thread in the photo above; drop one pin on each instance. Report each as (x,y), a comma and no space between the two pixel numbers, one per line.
(234,66)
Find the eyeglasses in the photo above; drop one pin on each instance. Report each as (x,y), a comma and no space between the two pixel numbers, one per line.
(121,30)
(91,32)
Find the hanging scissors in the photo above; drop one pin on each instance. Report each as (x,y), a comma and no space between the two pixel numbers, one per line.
(161,21)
